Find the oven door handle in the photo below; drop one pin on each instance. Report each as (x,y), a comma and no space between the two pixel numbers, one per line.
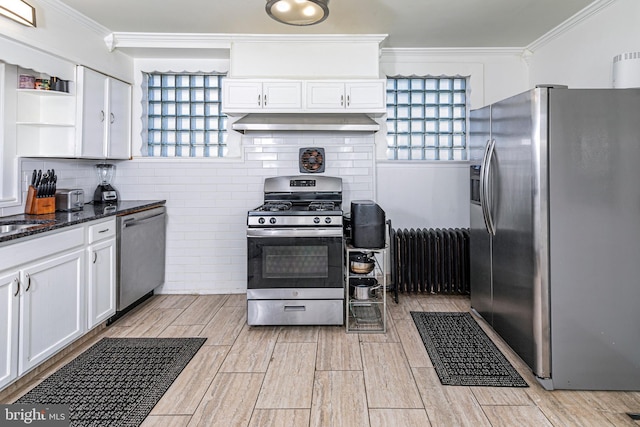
(295,232)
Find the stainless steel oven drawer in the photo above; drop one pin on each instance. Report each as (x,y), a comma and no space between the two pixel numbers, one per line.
(295,312)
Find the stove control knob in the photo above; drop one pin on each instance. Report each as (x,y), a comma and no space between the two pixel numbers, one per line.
(272,220)
(327,220)
(316,220)
(261,220)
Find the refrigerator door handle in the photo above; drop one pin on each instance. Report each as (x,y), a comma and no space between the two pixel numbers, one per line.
(488,192)
(483,183)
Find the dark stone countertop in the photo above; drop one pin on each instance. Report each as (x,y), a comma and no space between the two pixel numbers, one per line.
(58,220)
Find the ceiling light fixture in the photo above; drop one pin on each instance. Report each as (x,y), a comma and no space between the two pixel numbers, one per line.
(19,11)
(298,12)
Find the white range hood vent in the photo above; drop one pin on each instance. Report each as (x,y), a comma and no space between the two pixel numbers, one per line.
(302,122)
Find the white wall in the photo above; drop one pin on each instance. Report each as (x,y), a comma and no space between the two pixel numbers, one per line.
(582,57)
(432,195)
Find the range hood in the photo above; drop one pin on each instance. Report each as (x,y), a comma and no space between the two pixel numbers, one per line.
(306,122)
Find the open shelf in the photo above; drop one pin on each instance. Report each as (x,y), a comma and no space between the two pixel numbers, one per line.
(367,315)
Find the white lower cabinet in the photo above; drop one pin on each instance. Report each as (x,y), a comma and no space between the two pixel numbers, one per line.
(101,283)
(9,297)
(53,289)
(52,307)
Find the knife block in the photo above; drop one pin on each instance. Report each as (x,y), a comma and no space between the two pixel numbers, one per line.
(39,205)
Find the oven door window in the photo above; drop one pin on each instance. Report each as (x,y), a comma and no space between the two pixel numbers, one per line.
(294,262)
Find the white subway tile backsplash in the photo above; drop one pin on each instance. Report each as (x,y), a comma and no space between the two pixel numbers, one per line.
(207,201)
(262,156)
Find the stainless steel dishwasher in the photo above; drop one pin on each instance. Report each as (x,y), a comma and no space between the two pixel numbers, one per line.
(141,239)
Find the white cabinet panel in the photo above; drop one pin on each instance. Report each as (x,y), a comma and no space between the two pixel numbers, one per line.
(9,297)
(92,88)
(104,108)
(101,269)
(241,95)
(366,96)
(325,96)
(250,95)
(119,127)
(281,95)
(101,298)
(52,307)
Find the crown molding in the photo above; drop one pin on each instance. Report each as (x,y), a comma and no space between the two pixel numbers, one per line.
(305,38)
(168,40)
(223,41)
(409,53)
(576,19)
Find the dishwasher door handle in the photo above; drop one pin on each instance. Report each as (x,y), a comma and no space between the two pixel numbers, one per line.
(131,222)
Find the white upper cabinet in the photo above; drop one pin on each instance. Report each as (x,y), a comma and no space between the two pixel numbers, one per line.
(299,96)
(365,96)
(244,96)
(92,88)
(119,128)
(104,116)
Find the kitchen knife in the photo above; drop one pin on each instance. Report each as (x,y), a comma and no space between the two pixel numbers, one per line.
(47,184)
(38,181)
(33,178)
(43,185)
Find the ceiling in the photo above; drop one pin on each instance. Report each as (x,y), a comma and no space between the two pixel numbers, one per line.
(409,23)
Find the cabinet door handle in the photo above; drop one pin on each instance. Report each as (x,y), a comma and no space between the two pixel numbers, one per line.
(348,100)
(103,231)
(102,115)
(95,257)
(259,100)
(18,287)
(28,282)
(113,118)
(265,101)
(342,100)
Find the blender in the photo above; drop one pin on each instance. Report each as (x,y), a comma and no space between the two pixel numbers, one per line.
(105,193)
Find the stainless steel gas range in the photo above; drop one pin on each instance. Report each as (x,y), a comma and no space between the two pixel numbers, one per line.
(295,253)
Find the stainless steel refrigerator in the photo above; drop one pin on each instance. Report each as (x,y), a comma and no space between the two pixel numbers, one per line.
(555,232)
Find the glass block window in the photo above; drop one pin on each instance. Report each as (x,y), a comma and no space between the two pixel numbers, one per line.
(184,117)
(426,118)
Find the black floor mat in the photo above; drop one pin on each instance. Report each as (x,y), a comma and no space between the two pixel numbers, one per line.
(117,381)
(462,353)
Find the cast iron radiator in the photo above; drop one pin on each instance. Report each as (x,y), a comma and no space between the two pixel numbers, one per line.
(430,260)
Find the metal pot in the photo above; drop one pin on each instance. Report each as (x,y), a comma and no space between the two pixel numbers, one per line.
(362,288)
(360,263)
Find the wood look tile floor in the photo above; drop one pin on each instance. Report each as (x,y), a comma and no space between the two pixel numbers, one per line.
(322,376)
